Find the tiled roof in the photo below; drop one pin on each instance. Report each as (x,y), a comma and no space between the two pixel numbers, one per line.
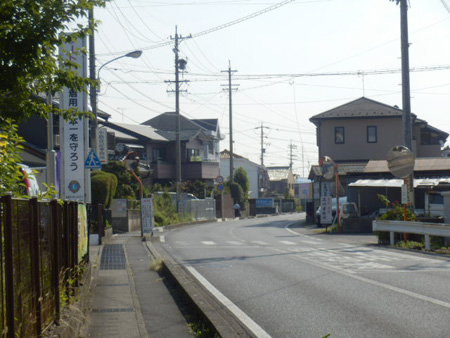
(362,107)
(136,130)
(421,164)
(225,154)
(167,122)
(278,173)
(344,169)
(209,124)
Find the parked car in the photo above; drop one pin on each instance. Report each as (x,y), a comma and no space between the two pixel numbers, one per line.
(348,210)
(342,201)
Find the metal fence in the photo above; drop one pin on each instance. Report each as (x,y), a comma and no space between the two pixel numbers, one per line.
(199,209)
(39,253)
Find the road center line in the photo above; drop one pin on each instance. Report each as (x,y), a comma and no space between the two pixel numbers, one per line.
(246,320)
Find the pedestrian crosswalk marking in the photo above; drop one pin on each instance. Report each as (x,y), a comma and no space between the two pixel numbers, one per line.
(288,243)
(259,242)
(209,243)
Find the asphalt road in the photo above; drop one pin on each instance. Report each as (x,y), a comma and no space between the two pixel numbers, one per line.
(284,280)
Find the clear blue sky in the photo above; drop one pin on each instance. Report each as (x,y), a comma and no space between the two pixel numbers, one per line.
(272,52)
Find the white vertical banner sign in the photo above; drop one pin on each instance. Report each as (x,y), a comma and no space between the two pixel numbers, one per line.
(74,133)
(147,215)
(102,141)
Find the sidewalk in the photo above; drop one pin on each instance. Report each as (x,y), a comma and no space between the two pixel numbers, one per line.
(127,299)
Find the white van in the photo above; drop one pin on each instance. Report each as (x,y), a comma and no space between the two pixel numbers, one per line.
(30,181)
(346,209)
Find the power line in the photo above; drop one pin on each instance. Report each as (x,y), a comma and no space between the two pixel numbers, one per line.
(223,26)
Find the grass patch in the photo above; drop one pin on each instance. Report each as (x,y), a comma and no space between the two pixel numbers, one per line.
(200,330)
(156,265)
(443,251)
(410,245)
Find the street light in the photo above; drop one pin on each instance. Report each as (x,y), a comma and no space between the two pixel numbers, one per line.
(135,54)
(93,94)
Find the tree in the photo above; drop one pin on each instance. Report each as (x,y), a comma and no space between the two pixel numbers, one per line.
(197,188)
(238,194)
(30,35)
(11,177)
(241,178)
(128,187)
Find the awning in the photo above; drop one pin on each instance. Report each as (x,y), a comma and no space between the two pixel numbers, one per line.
(398,182)
(134,146)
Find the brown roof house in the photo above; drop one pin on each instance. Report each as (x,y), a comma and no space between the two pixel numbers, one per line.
(155,139)
(360,133)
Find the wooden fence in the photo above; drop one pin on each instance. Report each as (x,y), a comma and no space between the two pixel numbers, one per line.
(42,244)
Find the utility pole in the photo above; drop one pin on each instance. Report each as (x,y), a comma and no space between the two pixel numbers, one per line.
(179,64)
(263,150)
(92,89)
(291,155)
(406,98)
(230,103)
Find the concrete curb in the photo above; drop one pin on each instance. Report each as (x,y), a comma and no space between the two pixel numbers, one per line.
(208,308)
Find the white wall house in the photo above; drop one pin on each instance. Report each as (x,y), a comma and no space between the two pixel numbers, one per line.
(256,173)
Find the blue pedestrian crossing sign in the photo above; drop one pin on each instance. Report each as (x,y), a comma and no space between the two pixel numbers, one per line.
(92,161)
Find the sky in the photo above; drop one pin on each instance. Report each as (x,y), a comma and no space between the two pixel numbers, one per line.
(292,60)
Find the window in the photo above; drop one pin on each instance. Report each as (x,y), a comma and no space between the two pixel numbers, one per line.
(371,134)
(159,154)
(428,137)
(194,155)
(339,135)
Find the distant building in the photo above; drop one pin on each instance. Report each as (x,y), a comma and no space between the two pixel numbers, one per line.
(256,173)
(281,180)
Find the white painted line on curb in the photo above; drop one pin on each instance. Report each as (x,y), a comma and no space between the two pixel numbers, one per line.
(246,320)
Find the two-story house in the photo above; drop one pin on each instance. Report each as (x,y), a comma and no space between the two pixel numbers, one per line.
(257,174)
(363,131)
(200,155)
(155,140)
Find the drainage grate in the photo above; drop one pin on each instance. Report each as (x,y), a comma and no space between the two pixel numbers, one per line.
(113,257)
(127,309)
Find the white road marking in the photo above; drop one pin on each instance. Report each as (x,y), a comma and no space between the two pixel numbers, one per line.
(208,243)
(246,320)
(287,243)
(260,242)
(299,234)
(235,243)
(351,274)
(309,242)
(162,239)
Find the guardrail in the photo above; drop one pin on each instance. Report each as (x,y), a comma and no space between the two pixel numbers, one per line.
(419,228)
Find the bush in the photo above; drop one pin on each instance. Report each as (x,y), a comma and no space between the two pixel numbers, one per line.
(395,212)
(103,187)
(410,245)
